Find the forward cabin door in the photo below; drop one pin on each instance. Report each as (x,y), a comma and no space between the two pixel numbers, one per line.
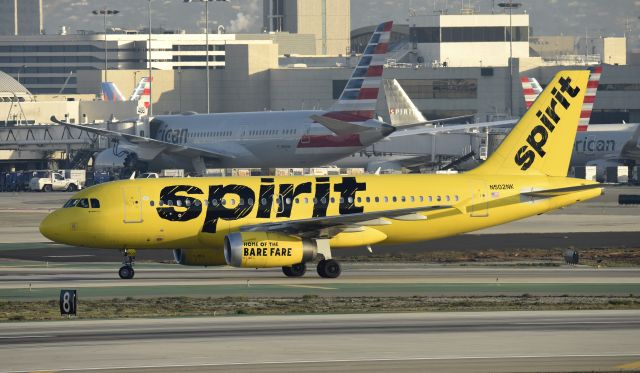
(479,207)
(132,204)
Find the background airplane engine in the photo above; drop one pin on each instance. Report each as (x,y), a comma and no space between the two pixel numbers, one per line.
(266,249)
(195,257)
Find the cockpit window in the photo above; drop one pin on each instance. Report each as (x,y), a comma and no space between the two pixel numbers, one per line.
(82,202)
(95,204)
(70,203)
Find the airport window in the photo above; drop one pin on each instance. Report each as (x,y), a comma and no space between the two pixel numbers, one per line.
(440,88)
(338,85)
(424,35)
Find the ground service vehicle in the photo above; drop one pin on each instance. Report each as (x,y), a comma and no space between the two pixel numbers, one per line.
(260,222)
(54,181)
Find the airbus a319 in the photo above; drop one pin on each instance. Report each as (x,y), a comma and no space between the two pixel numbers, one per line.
(261,222)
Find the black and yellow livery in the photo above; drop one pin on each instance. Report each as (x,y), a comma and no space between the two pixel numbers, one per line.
(261,222)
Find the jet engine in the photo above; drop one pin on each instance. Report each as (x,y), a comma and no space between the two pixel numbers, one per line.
(198,257)
(266,250)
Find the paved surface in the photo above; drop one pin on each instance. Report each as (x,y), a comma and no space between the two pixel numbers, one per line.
(490,341)
(385,279)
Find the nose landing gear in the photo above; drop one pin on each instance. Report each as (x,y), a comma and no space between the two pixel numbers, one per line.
(126,272)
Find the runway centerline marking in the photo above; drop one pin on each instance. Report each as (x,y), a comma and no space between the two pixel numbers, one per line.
(310,287)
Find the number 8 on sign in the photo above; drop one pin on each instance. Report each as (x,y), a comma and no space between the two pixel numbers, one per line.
(68,302)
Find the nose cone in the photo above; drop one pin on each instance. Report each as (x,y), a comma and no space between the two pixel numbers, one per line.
(51,227)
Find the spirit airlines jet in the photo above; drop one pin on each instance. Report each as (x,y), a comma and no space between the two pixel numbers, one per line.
(601,145)
(261,222)
(262,139)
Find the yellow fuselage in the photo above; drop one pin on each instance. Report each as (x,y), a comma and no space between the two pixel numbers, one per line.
(144,214)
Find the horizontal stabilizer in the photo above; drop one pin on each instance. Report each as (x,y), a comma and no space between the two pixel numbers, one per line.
(560,191)
(339,127)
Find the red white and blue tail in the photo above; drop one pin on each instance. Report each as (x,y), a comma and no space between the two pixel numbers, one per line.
(357,103)
(531,90)
(589,98)
(110,92)
(142,94)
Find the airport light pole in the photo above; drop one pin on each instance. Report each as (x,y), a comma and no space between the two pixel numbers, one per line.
(104,12)
(510,5)
(150,113)
(206,31)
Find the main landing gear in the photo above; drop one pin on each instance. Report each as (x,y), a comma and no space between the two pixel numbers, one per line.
(126,272)
(327,267)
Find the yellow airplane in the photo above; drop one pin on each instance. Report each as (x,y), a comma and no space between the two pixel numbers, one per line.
(262,222)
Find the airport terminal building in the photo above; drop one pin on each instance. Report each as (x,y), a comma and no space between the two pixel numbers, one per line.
(449,65)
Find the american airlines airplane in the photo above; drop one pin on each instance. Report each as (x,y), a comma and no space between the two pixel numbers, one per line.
(260,139)
(141,94)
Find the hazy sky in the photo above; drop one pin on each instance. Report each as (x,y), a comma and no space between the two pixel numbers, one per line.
(548,17)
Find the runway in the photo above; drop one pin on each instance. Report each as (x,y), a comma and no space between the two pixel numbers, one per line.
(382,279)
(488,341)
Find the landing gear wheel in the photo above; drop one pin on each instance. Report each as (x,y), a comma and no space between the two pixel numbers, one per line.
(329,268)
(126,272)
(296,270)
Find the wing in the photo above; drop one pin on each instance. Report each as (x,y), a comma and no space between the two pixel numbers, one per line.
(547,193)
(332,225)
(455,127)
(184,150)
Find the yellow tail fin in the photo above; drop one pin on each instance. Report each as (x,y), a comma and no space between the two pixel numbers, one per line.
(542,141)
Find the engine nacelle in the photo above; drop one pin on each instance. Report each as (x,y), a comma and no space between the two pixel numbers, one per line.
(196,257)
(266,250)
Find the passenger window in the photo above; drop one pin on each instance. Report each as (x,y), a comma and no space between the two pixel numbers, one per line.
(95,204)
(170,202)
(456,197)
(438,198)
(421,199)
(333,200)
(413,199)
(323,200)
(359,199)
(287,201)
(386,199)
(187,202)
(250,201)
(151,203)
(341,200)
(306,200)
(368,199)
(241,202)
(297,200)
(403,199)
(161,203)
(377,199)
(263,201)
(448,198)
(214,202)
(179,203)
(430,199)
(394,199)
(233,202)
(315,201)
(350,199)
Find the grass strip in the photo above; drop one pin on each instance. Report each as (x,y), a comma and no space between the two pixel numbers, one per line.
(118,308)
